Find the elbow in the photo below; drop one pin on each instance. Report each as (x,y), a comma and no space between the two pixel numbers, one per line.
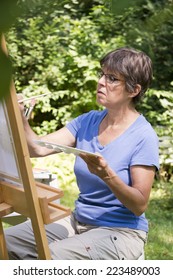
(140,210)
(35,152)
(138,213)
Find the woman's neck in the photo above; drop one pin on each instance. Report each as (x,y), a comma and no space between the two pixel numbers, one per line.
(119,117)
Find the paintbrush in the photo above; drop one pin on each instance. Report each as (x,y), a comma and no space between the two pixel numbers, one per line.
(33,97)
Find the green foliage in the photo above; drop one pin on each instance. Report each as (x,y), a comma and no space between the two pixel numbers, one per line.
(60,55)
(119,7)
(160,217)
(56,48)
(157,106)
(148,27)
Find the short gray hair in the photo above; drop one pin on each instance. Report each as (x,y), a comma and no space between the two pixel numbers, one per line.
(135,66)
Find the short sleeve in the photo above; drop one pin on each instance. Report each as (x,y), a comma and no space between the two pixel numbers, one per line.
(147,151)
(74,125)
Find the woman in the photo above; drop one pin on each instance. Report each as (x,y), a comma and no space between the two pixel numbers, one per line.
(108,221)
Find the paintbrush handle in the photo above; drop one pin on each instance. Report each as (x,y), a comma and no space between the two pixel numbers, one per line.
(32,97)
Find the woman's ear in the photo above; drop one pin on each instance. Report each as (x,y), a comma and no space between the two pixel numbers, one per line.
(136,91)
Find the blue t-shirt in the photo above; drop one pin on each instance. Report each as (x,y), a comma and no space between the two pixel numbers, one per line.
(138,145)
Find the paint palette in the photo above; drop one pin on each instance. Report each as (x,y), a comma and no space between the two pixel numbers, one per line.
(62,148)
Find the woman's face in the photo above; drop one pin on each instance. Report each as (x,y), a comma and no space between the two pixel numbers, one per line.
(111,90)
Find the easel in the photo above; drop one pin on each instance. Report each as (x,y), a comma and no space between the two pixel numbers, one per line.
(24,195)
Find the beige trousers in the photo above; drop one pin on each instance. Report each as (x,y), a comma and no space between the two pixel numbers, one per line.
(70,240)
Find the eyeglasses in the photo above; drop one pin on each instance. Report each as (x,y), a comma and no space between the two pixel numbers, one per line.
(111,79)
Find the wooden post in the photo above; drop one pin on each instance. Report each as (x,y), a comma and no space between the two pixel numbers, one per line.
(3,250)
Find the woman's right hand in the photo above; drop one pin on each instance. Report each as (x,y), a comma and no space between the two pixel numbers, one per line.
(21,104)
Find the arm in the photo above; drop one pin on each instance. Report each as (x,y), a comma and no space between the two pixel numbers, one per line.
(61,136)
(134,197)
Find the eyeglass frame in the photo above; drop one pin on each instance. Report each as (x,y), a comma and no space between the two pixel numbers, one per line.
(100,74)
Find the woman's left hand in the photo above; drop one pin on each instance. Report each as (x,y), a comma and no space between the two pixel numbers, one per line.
(96,165)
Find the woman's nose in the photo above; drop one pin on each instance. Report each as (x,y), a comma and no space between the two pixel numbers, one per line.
(102,80)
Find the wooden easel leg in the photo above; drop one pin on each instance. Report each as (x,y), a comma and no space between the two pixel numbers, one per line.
(3,249)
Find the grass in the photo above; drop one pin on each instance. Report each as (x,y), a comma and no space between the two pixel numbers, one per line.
(159,212)
(160,217)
